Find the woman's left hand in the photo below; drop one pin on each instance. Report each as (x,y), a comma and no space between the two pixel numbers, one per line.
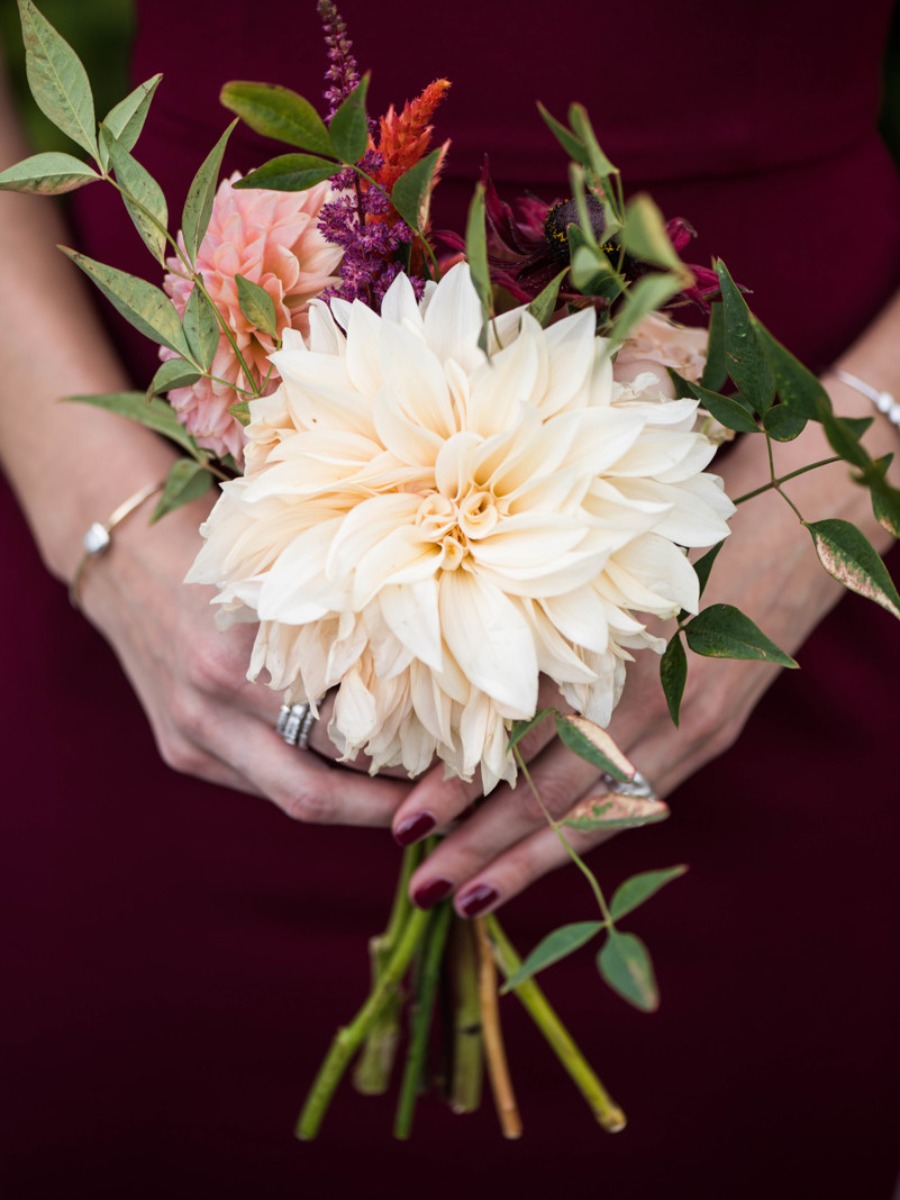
(770,571)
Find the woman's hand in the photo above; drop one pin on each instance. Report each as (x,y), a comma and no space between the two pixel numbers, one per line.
(190,677)
(769,570)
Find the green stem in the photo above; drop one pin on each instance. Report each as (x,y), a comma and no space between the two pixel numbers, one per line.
(348,1039)
(604,1108)
(373,1070)
(468,1045)
(556,826)
(421,1023)
(776,483)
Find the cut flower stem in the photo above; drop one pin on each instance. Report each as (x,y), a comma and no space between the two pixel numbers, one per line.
(373,1070)
(604,1108)
(494,1051)
(349,1039)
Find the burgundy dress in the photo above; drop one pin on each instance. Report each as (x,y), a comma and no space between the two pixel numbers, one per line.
(175,956)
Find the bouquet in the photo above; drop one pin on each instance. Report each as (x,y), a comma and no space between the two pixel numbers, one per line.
(448,465)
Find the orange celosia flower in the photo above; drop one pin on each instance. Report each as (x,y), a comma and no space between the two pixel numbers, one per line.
(405,138)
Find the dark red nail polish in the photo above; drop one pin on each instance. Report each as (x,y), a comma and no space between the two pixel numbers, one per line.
(475,902)
(414,828)
(430,894)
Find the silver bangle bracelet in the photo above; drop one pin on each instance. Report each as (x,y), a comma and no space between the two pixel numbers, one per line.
(883,401)
(97,540)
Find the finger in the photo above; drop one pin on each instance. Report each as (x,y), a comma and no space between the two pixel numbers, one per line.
(520,866)
(520,863)
(435,802)
(505,818)
(302,784)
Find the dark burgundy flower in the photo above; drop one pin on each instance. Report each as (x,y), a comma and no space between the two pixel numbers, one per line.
(528,245)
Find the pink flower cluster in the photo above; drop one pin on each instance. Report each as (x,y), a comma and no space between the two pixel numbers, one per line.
(272,239)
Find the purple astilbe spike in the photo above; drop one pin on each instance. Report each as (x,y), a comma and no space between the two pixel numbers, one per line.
(342,75)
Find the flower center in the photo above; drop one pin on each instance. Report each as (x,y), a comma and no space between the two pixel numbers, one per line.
(453,523)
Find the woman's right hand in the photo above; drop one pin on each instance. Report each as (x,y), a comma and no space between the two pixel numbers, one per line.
(190,677)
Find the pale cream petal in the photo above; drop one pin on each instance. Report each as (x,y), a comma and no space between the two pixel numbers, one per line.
(411,613)
(453,319)
(363,357)
(355,713)
(490,638)
(369,523)
(579,616)
(399,306)
(416,381)
(401,557)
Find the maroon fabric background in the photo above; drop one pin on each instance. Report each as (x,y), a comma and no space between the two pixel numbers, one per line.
(176,956)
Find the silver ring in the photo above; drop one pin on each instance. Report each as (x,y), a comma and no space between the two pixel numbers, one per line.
(295,722)
(636,788)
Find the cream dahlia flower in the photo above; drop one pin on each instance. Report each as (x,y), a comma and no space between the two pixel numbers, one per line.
(428,530)
(272,239)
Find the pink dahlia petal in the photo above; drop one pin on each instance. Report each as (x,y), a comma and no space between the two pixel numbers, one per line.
(273,239)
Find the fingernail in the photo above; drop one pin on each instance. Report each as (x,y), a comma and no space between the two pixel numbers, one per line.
(473,903)
(414,828)
(430,894)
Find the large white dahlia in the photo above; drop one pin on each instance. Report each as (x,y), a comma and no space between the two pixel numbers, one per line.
(427,530)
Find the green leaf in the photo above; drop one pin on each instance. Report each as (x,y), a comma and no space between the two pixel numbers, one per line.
(584,131)
(579,194)
(57,79)
(618,812)
(783,422)
(155,414)
(145,201)
(257,305)
(579,743)
(722,631)
(886,507)
(543,306)
(704,565)
(848,556)
(409,192)
(556,945)
(174,373)
(673,675)
(201,194)
(521,729)
(639,888)
(730,411)
(646,296)
(592,272)
(715,372)
(47,175)
(476,255)
(843,435)
(187,480)
(279,113)
(795,384)
(290,173)
(885,498)
(748,364)
(625,964)
(857,426)
(201,327)
(349,127)
(241,411)
(573,145)
(644,235)
(144,306)
(126,120)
